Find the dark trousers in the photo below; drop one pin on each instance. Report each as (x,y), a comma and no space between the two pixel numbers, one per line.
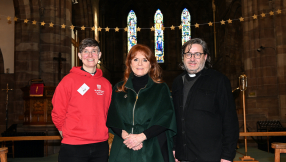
(95,152)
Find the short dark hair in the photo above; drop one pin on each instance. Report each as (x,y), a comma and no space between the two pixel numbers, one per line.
(88,42)
(205,50)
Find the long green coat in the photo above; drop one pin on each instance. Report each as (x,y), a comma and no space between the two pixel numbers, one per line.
(135,113)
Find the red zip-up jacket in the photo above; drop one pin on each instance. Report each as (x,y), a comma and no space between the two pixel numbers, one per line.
(80,107)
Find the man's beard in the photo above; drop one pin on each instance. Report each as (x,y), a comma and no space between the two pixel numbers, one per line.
(201,66)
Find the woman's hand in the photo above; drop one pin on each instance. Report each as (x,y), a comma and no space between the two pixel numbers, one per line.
(136,148)
(61,133)
(124,134)
(176,160)
(134,140)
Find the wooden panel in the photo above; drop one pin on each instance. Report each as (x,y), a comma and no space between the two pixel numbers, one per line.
(37,110)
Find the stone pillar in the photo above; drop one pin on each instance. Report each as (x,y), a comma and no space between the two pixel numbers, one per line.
(55,40)
(26,49)
(36,45)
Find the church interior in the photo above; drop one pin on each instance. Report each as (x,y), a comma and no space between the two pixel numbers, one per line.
(39,43)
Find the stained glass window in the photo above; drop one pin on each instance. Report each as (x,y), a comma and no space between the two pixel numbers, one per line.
(131,34)
(186,25)
(159,37)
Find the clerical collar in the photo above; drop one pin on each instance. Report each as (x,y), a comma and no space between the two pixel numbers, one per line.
(88,72)
(191,77)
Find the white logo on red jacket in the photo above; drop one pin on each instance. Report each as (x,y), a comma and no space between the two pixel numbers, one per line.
(98,91)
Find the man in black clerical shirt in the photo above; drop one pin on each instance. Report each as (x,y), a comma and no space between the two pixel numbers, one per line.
(207,122)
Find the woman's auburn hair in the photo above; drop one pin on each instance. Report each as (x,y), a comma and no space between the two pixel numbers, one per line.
(155,71)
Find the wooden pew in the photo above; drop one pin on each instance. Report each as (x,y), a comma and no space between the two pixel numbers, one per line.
(30,138)
(3,154)
(279,148)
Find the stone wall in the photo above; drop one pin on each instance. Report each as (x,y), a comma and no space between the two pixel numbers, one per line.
(237,45)
(265,69)
(7,35)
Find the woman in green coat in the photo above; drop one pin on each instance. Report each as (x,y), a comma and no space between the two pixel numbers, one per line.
(141,115)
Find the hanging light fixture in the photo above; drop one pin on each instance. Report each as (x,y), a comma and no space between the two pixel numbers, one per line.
(262,48)
(74,1)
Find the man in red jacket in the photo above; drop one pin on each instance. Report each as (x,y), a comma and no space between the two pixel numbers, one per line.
(80,105)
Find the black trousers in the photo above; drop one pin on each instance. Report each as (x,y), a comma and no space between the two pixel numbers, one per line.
(95,152)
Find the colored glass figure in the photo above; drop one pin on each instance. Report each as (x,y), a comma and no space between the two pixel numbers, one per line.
(159,36)
(186,26)
(131,33)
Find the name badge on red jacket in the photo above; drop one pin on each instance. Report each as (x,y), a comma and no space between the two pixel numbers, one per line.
(83,89)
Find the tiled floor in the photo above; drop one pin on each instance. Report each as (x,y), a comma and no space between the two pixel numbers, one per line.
(259,155)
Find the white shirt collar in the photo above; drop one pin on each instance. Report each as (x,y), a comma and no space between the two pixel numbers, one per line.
(192,75)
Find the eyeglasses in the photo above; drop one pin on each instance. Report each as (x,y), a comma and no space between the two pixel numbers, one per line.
(93,52)
(197,55)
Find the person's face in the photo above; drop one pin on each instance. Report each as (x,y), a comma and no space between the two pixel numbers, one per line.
(194,65)
(89,57)
(140,65)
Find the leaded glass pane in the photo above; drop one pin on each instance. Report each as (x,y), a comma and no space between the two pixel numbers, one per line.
(186,25)
(131,33)
(159,37)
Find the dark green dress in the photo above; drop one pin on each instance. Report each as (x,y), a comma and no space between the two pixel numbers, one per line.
(137,112)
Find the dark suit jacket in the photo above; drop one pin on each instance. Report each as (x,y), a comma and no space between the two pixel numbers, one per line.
(207,128)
